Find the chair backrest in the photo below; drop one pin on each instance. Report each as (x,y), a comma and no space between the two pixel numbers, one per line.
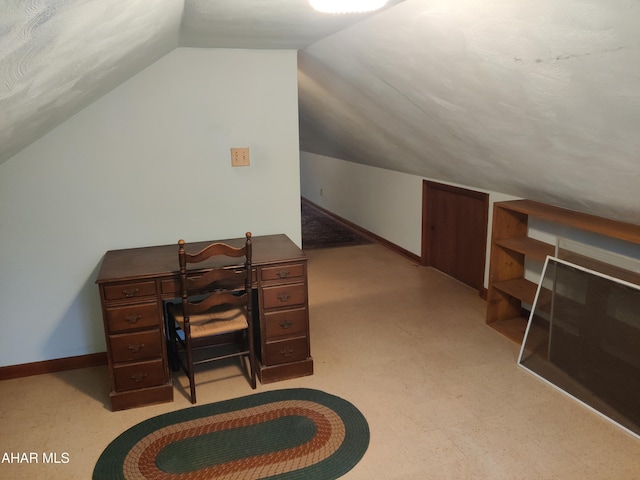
(204,286)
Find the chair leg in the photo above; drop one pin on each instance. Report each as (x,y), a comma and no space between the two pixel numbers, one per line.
(252,366)
(172,350)
(192,386)
(190,372)
(252,360)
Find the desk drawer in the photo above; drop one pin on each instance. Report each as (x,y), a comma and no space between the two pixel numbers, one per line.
(133,317)
(135,346)
(284,295)
(131,376)
(286,322)
(285,351)
(127,291)
(293,271)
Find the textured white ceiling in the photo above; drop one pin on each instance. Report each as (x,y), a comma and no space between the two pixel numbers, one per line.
(57,56)
(288,24)
(535,99)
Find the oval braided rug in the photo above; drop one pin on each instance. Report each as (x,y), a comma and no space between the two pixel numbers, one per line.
(291,434)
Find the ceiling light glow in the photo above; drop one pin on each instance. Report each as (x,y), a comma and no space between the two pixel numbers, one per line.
(347,6)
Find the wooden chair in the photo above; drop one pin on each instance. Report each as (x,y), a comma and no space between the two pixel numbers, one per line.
(214,320)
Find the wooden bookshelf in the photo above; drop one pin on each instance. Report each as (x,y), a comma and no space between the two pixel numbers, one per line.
(510,245)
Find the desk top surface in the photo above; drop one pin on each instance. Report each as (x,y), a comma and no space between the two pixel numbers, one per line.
(162,261)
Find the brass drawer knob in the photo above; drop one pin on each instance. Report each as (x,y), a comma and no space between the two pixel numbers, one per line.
(130,292)
(283,273)
(286,324)
(135,348)
(139,377)
(132,319)
(284,297)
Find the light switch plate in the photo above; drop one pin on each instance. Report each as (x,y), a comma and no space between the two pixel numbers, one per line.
(240,157)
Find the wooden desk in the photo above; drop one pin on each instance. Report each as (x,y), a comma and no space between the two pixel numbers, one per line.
(134,284)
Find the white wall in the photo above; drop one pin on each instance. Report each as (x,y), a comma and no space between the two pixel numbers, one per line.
(389,204)
(384,202)
(123,171)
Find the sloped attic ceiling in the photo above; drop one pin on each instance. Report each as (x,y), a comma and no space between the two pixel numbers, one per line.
(58,56)
(534,99)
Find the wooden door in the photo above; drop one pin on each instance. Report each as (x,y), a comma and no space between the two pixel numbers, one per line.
(454,232)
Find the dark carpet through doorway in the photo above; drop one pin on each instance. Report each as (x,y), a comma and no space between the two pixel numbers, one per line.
(320,230)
